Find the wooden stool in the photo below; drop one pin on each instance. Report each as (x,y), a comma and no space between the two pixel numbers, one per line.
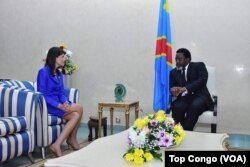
(94,123)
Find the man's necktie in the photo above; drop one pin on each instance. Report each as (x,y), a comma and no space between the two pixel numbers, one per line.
(183,78)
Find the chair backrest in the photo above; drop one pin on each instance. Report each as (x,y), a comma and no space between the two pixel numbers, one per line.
(18,84)
(211,80)
(210,117)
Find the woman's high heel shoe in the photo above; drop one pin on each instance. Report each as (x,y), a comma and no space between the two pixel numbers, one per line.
(71,145)
(52,150)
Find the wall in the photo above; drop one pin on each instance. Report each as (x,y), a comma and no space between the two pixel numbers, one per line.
(114,42)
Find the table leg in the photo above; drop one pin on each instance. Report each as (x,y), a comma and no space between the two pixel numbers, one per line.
(127,117)
(111,119)
(136,111)
(99,121)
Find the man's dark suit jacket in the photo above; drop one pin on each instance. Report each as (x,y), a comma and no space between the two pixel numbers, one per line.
(197,76)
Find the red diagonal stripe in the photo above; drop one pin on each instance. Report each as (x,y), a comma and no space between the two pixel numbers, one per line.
(169,54)
(161,46)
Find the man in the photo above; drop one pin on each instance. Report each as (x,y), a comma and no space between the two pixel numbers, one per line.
(188,84)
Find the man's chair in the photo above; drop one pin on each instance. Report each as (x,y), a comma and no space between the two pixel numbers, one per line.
(210,117)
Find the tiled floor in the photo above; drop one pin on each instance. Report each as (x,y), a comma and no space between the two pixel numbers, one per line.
(82,136)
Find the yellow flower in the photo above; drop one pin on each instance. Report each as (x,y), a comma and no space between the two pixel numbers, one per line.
(145,120)
(178,128)
(63,46)
(160,116)
(161,113)
(129,157)
(182,134)
(148,156)
(138,152)
(138,160)
(75,67)
(178,140)
(139,123)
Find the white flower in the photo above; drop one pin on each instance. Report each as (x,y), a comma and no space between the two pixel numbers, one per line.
(138,139)
(146,130)
(68,54)
(170,122)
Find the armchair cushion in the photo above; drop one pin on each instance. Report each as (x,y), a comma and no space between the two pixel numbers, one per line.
(54,120)
(12,146)
(11,125)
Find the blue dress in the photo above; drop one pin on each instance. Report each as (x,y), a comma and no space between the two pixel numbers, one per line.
(53,90)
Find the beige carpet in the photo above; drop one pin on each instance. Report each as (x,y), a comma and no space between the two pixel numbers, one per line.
(40,163)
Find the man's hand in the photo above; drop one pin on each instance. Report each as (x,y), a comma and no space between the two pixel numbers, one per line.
(175,91)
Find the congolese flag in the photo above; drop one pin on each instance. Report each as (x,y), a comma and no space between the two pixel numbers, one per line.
(163,59)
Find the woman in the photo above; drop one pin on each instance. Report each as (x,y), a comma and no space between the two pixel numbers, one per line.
(50,83)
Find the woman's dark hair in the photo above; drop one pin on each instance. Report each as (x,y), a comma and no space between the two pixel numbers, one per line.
(53,53)
(185,52)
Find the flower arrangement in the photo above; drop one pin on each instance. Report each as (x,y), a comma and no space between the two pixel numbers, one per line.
(149,134)
(69,67)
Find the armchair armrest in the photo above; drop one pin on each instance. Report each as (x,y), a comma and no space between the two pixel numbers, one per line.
(17,112)
(72,94)
(18,103)
(215,99)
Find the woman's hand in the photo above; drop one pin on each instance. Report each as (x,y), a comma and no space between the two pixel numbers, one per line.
(65,107)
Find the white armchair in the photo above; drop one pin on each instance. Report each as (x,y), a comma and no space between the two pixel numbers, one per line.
(210,116)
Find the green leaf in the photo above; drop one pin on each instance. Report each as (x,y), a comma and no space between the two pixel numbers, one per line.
(158,156)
